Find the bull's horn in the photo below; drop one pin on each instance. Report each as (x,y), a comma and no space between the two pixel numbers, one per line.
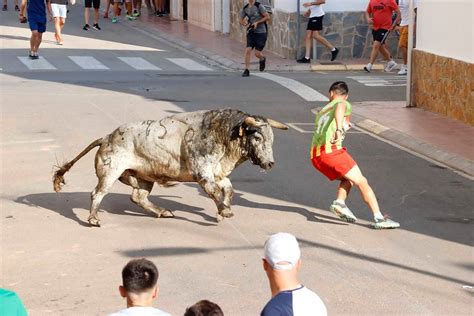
(253,122)
(276,124)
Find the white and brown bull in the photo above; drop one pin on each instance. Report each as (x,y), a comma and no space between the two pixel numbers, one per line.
(202,147)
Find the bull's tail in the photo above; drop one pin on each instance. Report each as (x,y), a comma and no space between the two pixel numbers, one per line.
(58,178)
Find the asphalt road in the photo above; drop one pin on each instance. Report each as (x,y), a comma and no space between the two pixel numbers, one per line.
(59,265)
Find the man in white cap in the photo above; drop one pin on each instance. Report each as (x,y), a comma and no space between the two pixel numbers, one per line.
(282,262)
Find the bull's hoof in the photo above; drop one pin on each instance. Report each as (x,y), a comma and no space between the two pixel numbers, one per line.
(219,218)
(166,214)
(94,222)
(226,213)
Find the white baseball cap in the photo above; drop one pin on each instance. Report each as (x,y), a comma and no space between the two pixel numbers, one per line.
(282,251)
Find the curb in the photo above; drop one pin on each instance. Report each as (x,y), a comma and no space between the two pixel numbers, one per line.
(344,67)
(432,152)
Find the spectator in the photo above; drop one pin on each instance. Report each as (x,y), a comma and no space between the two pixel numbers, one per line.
(254,17)
(87,5)
(379,15)
(331,159)
(403,42)
(57,9)
(281,263)
(10,304)
(204,308)
(315,26)
(160,8)
(5,6)
(37,20)
(140,288)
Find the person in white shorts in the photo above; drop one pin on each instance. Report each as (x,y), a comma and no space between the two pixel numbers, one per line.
(58,10)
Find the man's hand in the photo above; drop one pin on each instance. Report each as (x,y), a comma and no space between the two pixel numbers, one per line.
(370,21)
(254,25)
(337,136)
(307,13)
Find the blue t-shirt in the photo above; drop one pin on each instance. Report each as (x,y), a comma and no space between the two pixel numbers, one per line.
(37,8)
(298,302)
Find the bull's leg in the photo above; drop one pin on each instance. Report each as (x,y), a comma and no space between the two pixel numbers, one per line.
(105,183)
(140,193)
(228,191)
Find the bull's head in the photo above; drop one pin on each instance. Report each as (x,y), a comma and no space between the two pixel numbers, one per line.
(259,140)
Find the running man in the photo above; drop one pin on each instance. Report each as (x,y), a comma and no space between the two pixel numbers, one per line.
(379,15)
(36,11)
(315,26)
(332,160)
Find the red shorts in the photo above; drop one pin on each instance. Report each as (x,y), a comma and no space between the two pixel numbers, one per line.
(333,165)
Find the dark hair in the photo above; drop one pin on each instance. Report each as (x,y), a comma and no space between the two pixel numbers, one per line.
(139,275)
(339,88)
(204,308)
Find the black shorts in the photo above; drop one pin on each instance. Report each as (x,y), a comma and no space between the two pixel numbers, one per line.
(315,24)
(89,3)
(380,35)
(256,40)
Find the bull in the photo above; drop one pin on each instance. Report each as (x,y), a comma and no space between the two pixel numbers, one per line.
(203,147)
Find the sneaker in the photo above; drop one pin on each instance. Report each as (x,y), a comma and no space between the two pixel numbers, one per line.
(304,60)
(334,53)
(341,210)
(86,27)
(390,65)
(403,70)
(385,223)
(158,13)
(136,13)
(261,63)
(17,8)
(368,67)
(246,73)
(130,17)
(31,55)
(96,27)
(114,19)
(5,8)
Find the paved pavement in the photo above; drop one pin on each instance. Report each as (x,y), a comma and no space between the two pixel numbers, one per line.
(60,265)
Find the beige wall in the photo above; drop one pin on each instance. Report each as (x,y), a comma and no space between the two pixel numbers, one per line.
(201,13)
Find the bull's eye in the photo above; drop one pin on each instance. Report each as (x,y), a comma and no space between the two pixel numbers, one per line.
(258,138)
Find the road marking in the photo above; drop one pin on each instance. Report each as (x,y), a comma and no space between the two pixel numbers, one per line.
(22,142)
(139,63)
(189,64)
(381,81)
(88,62)
(36,64)
(307,93)
(310,129)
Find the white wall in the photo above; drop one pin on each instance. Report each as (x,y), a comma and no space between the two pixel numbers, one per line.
(330,6)
(445,28)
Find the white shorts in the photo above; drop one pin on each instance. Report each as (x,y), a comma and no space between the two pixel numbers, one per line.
(59,10)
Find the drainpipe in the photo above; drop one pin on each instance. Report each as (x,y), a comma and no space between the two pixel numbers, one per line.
(298,29)
(411,28)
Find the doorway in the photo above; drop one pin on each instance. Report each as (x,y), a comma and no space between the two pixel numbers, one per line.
(185,10)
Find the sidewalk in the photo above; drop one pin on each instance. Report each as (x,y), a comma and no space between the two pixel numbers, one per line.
(439,138)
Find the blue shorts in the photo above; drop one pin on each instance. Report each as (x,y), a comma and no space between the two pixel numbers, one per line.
(37,22)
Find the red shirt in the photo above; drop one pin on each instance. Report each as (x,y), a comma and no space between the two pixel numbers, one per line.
(382,11)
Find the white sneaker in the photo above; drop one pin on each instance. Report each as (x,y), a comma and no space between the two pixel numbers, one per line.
(403,70)
(390,65)
(341,210)
(368,67)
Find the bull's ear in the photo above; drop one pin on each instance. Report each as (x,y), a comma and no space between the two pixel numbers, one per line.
(277,124)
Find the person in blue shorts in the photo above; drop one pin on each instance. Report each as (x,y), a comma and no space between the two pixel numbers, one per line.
(37,20)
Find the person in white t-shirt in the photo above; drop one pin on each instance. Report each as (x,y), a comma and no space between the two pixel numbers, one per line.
(403,29)
(282,263)
(315,26)
(140,288)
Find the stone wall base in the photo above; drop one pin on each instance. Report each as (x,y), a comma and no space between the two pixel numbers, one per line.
(443,85)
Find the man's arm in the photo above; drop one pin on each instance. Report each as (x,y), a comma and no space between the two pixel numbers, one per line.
(339,117)
(319,2)
(243,20)
(368,13)
(265,15)
(50,10)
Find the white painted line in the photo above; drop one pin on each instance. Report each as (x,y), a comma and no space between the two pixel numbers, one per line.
(293,125)
(22,142)
(307,93)
(88,62)
(384,85)
(139,63)
(189,64)
(36,64)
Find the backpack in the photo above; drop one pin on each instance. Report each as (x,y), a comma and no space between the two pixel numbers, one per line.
(267,8)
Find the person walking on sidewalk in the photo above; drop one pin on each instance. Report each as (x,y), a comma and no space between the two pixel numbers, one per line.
(57,9)
(315,26)
(5,5)
(403,42)
(254,17)
(331,159)
(36,11)
(87,5)
(379,14)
